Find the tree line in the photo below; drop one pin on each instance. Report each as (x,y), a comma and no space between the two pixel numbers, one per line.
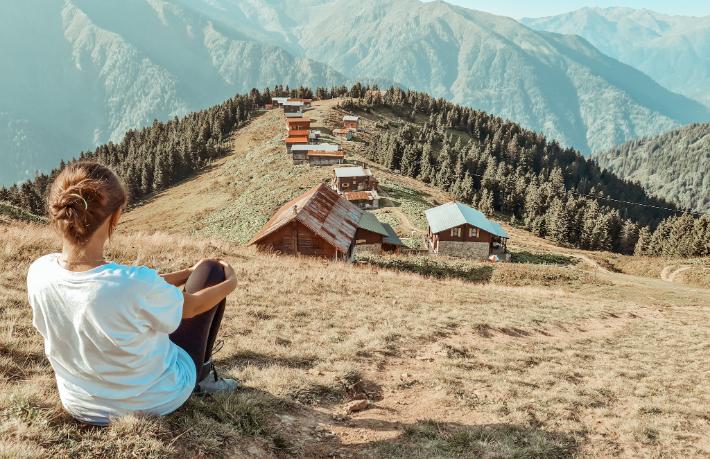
(155,157)
(499,166)
(553,191)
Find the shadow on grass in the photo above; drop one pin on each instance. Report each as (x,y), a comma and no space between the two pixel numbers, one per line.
(291,429)
(251,419)
(246,358)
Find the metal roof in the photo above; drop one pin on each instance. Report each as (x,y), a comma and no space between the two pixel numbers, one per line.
(294,115)
(331,154)
(351,118)
(279,100)
(359,195)
(321,210)
(392,237)
(455,214)
(297,140)
(317,147)
(293,103)
(352,171)
(298,120)
(370,223)
(298,132)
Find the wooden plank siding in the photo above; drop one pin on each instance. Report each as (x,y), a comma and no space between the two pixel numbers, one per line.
(483,236)
(297,239)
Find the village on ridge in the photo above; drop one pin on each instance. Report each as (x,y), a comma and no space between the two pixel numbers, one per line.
(333,221)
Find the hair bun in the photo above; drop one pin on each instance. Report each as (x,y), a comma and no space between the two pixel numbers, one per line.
(82,197)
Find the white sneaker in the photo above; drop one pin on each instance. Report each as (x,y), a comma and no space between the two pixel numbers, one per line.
(214,384)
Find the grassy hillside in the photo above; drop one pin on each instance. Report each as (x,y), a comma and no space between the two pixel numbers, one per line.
(536,361)
(454,358)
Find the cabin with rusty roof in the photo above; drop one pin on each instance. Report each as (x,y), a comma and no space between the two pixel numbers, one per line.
(319,223)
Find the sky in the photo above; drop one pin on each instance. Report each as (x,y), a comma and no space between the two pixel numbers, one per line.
(537,8)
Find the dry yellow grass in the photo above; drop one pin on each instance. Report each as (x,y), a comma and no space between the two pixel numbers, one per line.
(616,367)
(527,361)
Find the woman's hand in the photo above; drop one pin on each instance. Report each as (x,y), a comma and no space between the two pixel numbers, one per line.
(229,274)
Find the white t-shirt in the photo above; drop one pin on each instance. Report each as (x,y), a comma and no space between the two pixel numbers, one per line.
(106,335)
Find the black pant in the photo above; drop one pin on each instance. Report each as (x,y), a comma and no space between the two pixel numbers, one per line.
(197,334)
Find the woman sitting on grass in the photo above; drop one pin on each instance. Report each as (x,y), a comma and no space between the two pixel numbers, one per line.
(121,339)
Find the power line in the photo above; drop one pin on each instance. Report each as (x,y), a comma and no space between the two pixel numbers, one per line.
(621,201)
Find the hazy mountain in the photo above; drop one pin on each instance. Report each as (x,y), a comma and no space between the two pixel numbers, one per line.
(78,73)
(673,165)
(673,50)
(560,85)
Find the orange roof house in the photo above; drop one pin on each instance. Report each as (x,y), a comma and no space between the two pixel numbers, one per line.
(298,124)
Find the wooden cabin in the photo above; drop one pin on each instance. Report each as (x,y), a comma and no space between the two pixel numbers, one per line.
(317,154)
(458,230)
(346,134)
(391,243)
(293,115)
(325,158)
(291,106)
(370,234)
(357,185)
(353,178)
(321,223)
(363,199)
(299,133)
(306,102)
(293,141)
(298,124)
(351,122)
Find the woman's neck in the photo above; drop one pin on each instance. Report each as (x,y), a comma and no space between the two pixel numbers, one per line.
(83,257)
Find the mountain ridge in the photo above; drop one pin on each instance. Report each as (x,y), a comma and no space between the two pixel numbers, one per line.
(673,49)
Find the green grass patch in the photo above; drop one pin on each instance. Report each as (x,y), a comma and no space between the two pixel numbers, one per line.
(15,213)
(437,267)
(542,258)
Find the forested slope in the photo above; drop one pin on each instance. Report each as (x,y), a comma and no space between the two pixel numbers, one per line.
(674,166)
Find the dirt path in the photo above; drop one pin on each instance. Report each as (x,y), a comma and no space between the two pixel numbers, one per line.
(670,272)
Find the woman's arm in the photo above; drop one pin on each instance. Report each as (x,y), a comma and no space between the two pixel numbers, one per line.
(196,303)
(177,278)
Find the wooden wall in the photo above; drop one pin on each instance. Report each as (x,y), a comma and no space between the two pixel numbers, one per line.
(483,236)
(295,238)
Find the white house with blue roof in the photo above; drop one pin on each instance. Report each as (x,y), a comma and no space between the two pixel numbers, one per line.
(458,230)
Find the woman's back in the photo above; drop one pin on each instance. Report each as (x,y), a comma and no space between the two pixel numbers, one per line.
(106,336)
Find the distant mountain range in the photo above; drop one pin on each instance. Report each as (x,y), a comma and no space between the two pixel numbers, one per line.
(673,50)
(77,73)
(673,166)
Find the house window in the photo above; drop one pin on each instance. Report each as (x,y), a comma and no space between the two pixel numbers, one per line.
(473,232)
(345,185)
(456,232)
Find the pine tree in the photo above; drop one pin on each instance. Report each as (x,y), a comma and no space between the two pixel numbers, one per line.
(485,204)
(643,242)
(629,237)
(559,226)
